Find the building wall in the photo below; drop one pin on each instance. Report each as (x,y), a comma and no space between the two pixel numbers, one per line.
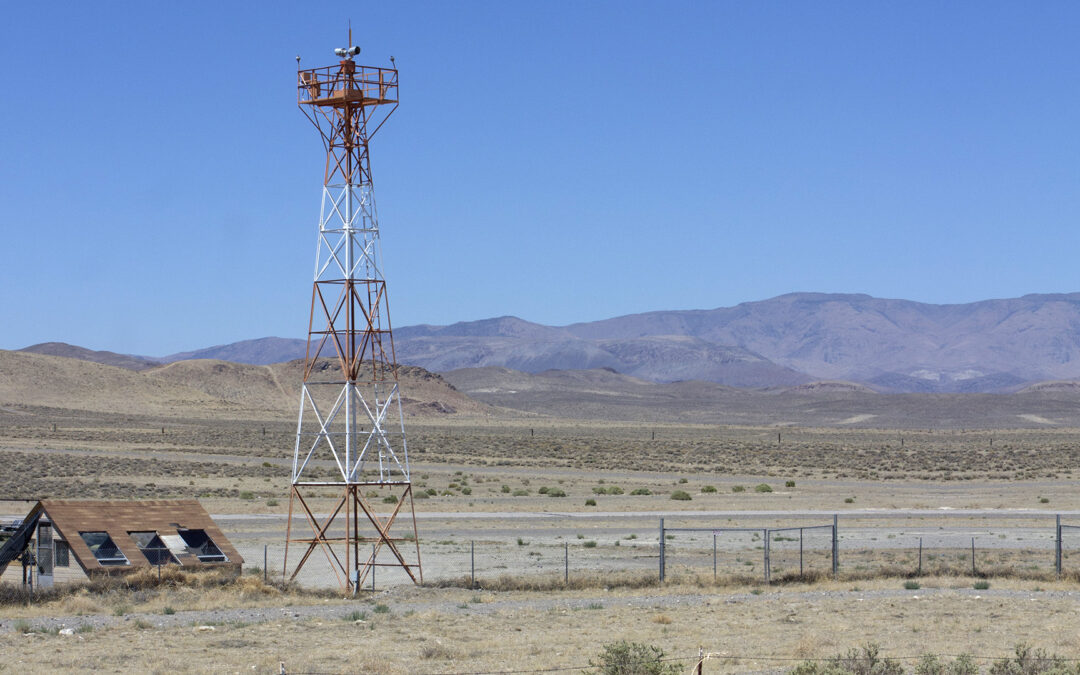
(61,575)
(13,573)
(72,573)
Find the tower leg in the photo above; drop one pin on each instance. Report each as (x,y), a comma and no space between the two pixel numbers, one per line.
(351,571)
(288,535)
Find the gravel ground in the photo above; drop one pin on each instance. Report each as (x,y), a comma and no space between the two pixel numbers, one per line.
(419,600)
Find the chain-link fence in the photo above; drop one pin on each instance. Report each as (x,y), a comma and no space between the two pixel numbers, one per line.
(749,552)
(753,547)
(876,544)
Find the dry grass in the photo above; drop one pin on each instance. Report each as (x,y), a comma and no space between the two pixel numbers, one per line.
(549,582)
(527,630)
(142,592)
(531,621)
(884,577)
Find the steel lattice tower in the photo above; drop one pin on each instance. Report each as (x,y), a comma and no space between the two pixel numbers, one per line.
(350,407)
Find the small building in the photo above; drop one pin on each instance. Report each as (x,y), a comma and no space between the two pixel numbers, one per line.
(65,541)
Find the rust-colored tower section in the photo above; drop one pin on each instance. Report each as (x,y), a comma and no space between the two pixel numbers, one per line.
(351,459)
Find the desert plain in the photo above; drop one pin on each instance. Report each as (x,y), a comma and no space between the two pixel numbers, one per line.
(539,522)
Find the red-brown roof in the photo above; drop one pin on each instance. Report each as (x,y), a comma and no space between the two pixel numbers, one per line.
(119,518)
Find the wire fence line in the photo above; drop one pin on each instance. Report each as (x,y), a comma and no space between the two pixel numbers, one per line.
(886,543)
(770,547)
(771,539)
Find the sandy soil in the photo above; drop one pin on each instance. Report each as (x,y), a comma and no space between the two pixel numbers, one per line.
(486,504)
(438,631)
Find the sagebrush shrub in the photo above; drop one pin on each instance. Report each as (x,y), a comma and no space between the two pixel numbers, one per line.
(633,658)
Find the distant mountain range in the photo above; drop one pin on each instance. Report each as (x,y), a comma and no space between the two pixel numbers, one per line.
(890,345)
(602,395)
(107,358)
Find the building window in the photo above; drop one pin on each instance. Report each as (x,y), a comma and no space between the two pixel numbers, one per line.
(61,554)
(103,548)
(201,546)
(155,550)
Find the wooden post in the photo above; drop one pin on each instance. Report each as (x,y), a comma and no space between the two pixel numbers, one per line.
(661,550)
(1057,546)
(800,551)
(472,564)
(973,556)
(700,661)
(714,556)
(920,556)
(566,562)
(835,546)
(265,563)
(766,532)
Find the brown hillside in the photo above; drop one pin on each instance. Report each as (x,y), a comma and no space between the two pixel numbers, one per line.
(423,393)
(28,379)
(103,357)
(251,387)
(198,388)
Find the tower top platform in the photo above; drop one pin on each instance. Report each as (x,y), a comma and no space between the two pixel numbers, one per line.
(347,84)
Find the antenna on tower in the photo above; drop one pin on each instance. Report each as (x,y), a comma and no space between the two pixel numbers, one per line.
(350,51)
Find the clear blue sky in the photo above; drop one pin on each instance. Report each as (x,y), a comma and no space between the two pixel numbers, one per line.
(558,161)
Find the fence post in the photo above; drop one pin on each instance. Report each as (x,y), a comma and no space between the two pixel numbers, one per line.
(373,551)
(1057,547)
(920,556)
(700,661)
(472,564)
(766,531)
(835,545)
(661,550)
(973,556)
(714,556)
(265,558)
(566,562)
(800,552)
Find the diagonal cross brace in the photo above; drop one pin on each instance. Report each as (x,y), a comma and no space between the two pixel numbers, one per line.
(383,527)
